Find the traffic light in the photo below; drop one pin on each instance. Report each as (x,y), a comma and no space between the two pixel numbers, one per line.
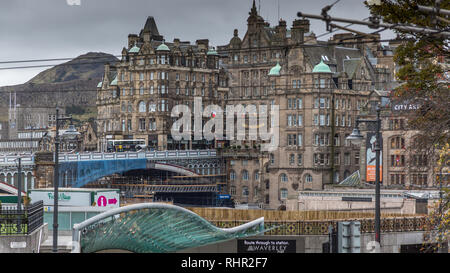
(349,237)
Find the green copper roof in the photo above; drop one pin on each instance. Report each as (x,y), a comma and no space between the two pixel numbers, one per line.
(275,71)
(212,52)
(154,227)
(114,82)
(321,68)
(134,49)
(163,47)
(99,85)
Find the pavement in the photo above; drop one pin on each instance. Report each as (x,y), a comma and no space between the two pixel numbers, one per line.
(64,244)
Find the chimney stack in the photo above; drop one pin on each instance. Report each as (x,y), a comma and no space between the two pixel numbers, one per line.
(299,28)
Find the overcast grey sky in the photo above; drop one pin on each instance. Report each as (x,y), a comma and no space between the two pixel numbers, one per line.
(41,29)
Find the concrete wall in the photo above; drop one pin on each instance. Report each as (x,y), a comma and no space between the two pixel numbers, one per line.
(32,242)
(391,242)
(388,205)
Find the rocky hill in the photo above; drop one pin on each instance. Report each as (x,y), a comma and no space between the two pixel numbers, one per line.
(72,83)
(85,67)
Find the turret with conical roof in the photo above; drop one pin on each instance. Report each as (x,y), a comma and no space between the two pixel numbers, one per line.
(150,31)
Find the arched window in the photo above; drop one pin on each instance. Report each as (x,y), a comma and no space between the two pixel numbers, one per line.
(256,175)
(142,107)
(232,175)
(283,177)
(308,178)
(245,175)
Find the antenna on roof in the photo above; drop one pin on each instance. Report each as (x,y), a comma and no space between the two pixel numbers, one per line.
(278,10)
(259,7)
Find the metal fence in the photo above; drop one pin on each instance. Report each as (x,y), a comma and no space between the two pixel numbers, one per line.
(321,227)
(21,222)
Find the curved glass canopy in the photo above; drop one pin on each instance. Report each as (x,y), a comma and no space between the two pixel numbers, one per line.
(154,227)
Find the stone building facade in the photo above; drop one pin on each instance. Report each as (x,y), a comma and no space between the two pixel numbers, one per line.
(319,90)
(319,87)
(137,94)
(404,162)
(88,136)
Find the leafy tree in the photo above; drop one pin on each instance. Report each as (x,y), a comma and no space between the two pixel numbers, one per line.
(438,224)
(423,73)
(421,59)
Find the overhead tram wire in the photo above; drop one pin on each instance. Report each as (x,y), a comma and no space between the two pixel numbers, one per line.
(182,90)
(273,47)
(296,45)
(59,59)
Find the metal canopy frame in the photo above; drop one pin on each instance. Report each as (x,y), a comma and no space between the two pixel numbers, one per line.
(154,227)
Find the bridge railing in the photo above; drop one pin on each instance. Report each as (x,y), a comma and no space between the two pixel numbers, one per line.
(12,159)
(64,157)
(138,155)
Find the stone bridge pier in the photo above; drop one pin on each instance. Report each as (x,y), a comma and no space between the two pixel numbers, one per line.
(44,167)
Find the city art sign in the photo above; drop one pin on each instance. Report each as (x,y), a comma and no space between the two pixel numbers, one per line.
(405,107)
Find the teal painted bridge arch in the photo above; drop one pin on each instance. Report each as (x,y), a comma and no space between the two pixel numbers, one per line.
(154,227)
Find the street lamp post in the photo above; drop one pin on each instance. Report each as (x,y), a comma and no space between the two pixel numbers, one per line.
(71,133)
(19,184)
(356,138)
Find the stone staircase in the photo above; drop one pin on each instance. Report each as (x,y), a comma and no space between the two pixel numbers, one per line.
(64,245)
(49,249)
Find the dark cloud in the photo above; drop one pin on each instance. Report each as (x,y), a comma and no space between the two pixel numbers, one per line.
(33,29)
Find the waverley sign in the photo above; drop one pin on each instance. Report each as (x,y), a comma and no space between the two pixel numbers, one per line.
(266,246)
